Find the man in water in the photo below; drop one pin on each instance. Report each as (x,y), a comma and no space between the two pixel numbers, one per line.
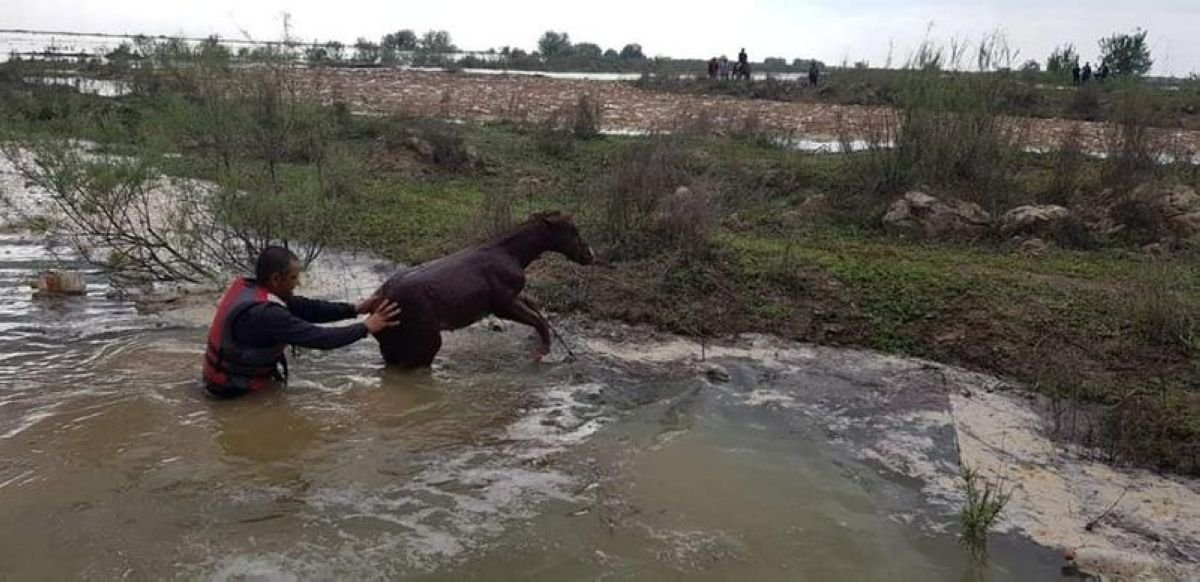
(258,318)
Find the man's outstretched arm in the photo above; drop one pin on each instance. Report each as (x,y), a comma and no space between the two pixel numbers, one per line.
(317,311)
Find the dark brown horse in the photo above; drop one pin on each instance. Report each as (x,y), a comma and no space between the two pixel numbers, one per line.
(455,291)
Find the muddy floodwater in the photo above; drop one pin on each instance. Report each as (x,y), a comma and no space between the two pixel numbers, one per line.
(115,464)
(633,461)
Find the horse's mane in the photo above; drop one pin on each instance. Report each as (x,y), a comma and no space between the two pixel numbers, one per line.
(548,216)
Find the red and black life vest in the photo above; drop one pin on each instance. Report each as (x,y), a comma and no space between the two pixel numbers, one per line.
(229,367)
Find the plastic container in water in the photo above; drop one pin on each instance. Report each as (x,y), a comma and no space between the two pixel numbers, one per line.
(60,283)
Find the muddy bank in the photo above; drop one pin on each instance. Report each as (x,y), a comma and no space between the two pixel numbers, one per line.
(625,107)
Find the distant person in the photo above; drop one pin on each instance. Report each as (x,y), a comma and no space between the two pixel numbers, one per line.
(814,74)
(1104,72)
(1075,73)
(1087,73)
(724,68)
(714,68)
(258,318)
(742,70)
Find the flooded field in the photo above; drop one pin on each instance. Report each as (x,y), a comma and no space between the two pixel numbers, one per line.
(608,466)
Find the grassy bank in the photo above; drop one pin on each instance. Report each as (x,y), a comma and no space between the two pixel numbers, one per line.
(768,240)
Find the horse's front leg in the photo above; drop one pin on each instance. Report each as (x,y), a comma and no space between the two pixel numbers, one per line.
(521,311)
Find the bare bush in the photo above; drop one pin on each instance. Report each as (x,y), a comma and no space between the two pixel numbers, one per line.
(585,117)
(496,213)
(119,214)
(1163,316)
(945,132)
(751,128)
(275,175)
(690,215)
(1134,149)
(1151,424)
(550,139)
(1142,220)
(1069,160)
(645,173)
(1085,104)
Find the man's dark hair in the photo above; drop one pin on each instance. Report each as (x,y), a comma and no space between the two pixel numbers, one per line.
(273,260)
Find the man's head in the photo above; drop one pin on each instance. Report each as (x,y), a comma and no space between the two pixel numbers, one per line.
(278,271)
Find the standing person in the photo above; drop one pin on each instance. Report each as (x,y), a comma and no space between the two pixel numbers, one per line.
(814,73)
(1075,73)
(258,318)
(1104,71)
(1087,73)
(724,68)
(713,68)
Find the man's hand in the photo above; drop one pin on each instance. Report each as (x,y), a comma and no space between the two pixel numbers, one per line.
(367,305)
(383,317)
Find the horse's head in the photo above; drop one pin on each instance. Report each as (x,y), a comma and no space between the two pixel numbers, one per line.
(564,236)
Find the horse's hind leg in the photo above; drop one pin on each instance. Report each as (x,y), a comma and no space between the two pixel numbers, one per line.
(410,345)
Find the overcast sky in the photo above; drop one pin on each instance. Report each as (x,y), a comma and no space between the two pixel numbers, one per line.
(830,30)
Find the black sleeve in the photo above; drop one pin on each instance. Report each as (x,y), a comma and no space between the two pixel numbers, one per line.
(315,311)
(272,324)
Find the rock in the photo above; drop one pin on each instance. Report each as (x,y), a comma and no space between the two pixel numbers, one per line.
(815,205)
(421,146)
(1154,249)
(1185,225)
(923,215)
(1179,200)
(833,329)
(473,157)
(1034,246)
(1178,208)
(1033,219)
(951,336)
(717,375)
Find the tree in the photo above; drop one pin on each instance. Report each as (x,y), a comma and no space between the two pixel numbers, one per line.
(774,62)
(211,51)
(316,55)
(335,51)
(611,55)
(1127,54)
(587,50)
(1031,66)
(402,40)
(436,41)
(554,44)
(365,51)
(1062,60)
(122,56)
(632,52)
